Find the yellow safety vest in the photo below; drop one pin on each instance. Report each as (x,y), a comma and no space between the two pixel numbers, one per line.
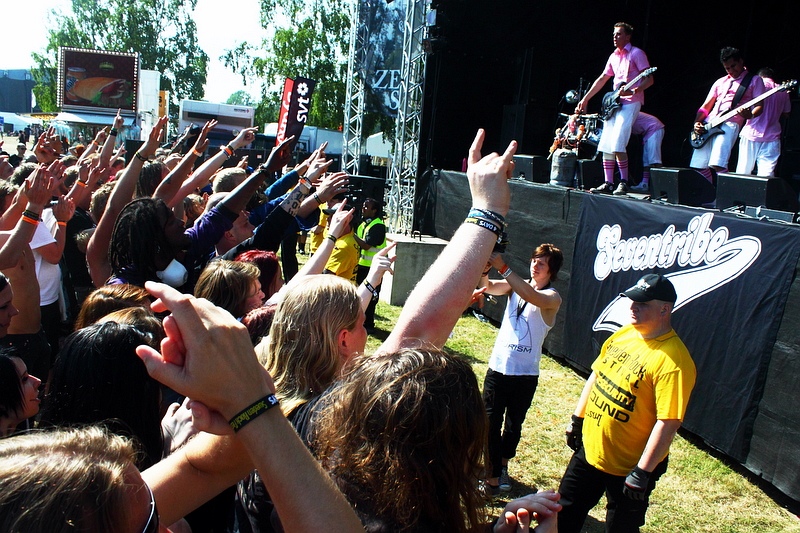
(368,253)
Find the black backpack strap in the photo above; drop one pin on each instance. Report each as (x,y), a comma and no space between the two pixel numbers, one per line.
(742,88)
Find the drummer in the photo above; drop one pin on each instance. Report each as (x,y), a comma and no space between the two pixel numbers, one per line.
(652,131)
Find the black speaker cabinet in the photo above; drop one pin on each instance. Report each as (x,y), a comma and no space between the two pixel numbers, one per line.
(535,168)
(745,190)
(362,187)
(590,173)
(684,186)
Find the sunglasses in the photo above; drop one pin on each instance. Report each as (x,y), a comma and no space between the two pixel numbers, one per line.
(152,521)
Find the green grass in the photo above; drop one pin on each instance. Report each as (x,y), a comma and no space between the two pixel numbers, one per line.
(699,492)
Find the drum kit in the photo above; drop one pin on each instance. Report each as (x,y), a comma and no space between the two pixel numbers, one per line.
(580,133)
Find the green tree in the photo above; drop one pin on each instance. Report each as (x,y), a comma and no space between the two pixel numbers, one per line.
(240,98)
(161,31)
(308,39)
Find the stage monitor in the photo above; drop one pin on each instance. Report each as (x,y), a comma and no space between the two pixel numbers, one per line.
(745,190)
(684,186)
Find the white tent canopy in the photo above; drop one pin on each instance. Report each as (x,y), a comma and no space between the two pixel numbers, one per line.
(19,121)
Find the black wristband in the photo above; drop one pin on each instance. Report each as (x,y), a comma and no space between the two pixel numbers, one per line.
(113,132)
(371,289)
(140,157)
(252,411)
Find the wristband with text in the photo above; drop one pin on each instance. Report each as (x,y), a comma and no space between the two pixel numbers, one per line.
(252,411)
(505,271)
(371,289)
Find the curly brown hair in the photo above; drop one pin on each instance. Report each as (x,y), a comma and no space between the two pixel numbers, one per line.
(406,432)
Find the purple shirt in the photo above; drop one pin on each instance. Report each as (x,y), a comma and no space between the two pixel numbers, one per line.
(624,65)
(724,89)
(766,127)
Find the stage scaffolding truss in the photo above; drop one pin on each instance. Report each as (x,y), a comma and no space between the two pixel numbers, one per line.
(401,181)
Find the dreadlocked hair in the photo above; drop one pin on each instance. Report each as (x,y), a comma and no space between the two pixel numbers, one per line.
(138,238)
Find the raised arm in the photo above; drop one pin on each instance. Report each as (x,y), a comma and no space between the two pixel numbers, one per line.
(125,185)
(203,174)
(381,264)
(228,384)
(543,299)
(37,189)
(175,186)
(439,298)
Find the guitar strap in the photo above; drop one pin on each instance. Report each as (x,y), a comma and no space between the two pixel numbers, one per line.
(740,91)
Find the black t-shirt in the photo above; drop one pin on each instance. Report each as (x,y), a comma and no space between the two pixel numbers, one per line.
(74,259)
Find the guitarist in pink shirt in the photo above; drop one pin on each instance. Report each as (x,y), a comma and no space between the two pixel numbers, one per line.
(760,140)
(713,144)
(626,63)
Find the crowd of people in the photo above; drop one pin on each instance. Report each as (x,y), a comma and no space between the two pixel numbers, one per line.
(159,367)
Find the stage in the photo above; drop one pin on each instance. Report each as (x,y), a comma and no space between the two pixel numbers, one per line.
(738,309)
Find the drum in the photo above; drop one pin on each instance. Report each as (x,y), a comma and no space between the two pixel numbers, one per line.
(564,168)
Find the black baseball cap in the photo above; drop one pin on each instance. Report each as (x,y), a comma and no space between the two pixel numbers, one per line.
(652,287)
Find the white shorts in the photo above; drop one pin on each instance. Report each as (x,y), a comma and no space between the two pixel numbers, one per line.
(617,129)
(651,149)
(763,155)
(717,151)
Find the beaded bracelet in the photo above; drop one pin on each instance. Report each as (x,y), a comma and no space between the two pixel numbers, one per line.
(141,158)
(113,132)
(484,223)
(371,289)
(252,411)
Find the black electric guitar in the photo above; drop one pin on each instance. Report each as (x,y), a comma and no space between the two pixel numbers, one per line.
(611,99)
(698,140)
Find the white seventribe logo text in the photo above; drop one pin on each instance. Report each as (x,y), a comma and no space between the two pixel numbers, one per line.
(713,257)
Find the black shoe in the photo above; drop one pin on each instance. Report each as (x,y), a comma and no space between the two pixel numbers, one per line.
(622,189)
(605,188)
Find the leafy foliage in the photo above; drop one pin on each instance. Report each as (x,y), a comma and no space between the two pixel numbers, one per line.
(308,39)
(162,31)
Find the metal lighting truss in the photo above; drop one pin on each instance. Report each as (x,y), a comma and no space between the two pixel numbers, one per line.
(403,171)
(354,96)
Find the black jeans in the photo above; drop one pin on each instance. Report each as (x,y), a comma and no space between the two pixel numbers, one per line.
(507,399)
(582,487)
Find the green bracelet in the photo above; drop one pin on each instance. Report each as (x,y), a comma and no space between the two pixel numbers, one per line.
(253,411)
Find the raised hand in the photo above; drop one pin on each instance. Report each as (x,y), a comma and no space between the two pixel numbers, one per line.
(205,351)
(150,146)
(64,209)
(331,185)
(339,223)
(279,156)
(245,137)
(488,176)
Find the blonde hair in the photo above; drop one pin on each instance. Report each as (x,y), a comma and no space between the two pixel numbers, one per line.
(302,350)
(227,284)
(64,481)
